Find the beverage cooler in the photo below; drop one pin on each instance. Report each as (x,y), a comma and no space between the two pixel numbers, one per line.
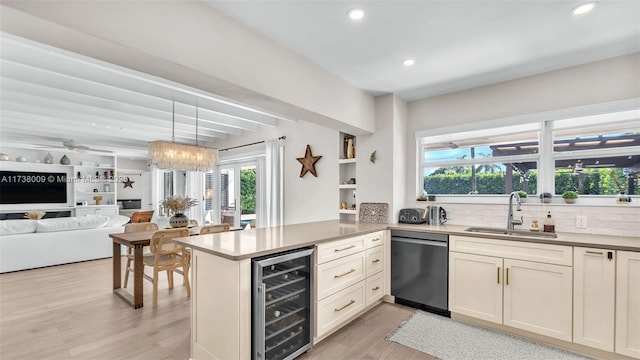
(282,310)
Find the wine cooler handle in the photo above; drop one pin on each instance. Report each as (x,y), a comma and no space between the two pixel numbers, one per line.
(262,289)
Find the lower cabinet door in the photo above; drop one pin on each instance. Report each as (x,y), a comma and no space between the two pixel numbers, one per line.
(594,283)
(340,307)
(336,275)
(374,288)
(628,304)
(475,286)
(538,298)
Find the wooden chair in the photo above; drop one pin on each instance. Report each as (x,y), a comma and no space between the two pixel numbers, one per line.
(145,226)
(167,256)
(141,216)
(211,229)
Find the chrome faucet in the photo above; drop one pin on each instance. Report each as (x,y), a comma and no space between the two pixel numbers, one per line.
(510,221)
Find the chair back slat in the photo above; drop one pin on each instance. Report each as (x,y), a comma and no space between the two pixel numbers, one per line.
(161,243)
(210,229)
(144,226)
(141,216)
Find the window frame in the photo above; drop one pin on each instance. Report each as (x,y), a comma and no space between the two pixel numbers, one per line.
(546,156)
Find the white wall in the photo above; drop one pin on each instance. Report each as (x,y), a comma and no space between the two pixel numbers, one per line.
(375,181)
(309,198)
(600,82)
(400,164)
(192,43)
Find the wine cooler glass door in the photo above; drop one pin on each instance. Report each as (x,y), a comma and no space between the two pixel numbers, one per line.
(282,305)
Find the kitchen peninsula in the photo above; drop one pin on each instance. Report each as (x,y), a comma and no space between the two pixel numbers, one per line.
(221,285)
(222,272)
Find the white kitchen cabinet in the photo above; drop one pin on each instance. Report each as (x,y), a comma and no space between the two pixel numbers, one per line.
(475,286)
(337,309)
(336,275)
(594,272)
(503,286)
(537,298)
(628,304)
(350,277)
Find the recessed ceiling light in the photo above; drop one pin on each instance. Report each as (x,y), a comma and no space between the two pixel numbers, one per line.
(583,8)
(408,62)
(355,14)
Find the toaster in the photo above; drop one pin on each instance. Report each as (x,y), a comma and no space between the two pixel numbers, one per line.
(412,216)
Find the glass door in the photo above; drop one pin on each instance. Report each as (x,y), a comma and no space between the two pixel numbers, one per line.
(238,194)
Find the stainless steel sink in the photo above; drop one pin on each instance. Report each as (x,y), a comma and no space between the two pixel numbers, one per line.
(499,231)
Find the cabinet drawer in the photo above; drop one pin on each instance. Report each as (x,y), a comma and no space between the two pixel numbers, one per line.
(374,288)
(374,239)
(375,260)
(519,250)
(339,248)
(338,274)
(340,307)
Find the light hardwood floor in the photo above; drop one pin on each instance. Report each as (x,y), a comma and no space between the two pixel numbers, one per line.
(70,312)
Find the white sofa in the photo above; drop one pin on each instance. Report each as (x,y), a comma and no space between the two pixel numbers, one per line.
(28,244)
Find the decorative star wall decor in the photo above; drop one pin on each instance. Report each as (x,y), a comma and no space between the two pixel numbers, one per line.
(308,162)
(128,183)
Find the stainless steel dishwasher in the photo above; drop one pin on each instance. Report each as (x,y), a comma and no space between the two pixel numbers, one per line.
(420,270)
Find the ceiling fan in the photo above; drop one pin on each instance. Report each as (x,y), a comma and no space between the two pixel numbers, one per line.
(71,145)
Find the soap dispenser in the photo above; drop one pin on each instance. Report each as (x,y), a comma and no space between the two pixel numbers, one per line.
(549,225)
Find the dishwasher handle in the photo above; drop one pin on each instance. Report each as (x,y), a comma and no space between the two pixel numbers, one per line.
(421,241)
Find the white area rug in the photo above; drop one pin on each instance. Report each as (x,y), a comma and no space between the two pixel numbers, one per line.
(454,340)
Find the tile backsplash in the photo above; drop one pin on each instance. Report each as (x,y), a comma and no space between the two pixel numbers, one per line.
(619,220)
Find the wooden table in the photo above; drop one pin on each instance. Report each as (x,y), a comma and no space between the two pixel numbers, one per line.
(137,241)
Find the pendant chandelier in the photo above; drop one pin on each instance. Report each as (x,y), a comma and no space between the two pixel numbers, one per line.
(171,155)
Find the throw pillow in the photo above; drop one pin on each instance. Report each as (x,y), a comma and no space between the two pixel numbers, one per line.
(13,227)
(117,220)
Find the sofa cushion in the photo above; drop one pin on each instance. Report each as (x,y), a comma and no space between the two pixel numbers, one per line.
(13,227)
(92,221)
(57,224)
(117,220)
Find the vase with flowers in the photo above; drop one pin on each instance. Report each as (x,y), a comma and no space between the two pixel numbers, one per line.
(97,198)
(178,205)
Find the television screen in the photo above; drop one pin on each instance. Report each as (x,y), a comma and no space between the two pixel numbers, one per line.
(24,187)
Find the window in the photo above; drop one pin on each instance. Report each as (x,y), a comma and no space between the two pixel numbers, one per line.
(592,155)
(597,160)
(481,163)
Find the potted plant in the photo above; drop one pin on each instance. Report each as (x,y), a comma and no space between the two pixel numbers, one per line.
(523,195)
(178,205)
(545,197)
(570,197)
(97,198)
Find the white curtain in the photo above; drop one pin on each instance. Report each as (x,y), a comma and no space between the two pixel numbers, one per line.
(156,193)
(273,204)
(194,188)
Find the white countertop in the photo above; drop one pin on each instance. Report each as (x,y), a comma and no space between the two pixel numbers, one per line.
(238,245)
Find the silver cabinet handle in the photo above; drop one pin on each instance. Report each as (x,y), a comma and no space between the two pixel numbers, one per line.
(341,275)
(595,252)
(375,261)
(376,288)
(345,306)
(347,248)
(376,239)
